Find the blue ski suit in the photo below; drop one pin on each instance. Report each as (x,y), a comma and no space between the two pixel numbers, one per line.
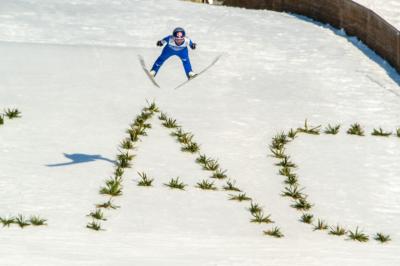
(171,49)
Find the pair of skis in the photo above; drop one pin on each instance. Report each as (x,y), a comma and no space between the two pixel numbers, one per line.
(145,69)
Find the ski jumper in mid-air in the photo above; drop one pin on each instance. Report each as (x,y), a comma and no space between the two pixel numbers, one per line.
(176,44)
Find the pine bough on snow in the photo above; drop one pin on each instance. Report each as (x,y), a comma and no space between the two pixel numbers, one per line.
(358,236)
(97,215)
(10,114)
(145,181)
(209,164)
(380,132)
(355,129)
(277,149)
(240,197)
(205,185)
(107,205)
(94,226)
(258,217)
(337,230)
(230,186)
(332,130)
(382,238)
(309,130)
(275,232)
(321,225)
(22,222)
(174,183)
(307,218)
(113,186)
(137,129)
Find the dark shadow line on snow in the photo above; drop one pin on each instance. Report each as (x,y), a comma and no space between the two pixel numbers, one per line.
(77,158)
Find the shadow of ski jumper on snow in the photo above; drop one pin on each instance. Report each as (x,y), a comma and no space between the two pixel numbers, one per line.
(77,158)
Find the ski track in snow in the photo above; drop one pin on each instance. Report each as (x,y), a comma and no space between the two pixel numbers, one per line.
(72,69)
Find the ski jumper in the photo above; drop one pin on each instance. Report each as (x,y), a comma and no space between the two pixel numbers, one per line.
(171,49)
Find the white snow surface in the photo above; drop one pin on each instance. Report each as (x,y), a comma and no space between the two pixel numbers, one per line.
(387,9)
(71,67)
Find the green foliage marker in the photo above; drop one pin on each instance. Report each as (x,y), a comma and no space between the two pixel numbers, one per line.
(332,130)
(258,217)
(21,221)
(145,181)
(254,208)
(12,113)
(98,215)
(293,192)
(355,129)
(321,225)
(230,186)
(113,188)
(358,236)
(382,238)
(307,218)
(240,197)
(107,205)
(309,130)
(205,185)
(176,184)
(380,132)
(37,220)
(211,165)
(94,226)
(302,204)
(275,232)
(191,147)
(219,174)
(7,221)
(292,133)
(337,231)
(170,123)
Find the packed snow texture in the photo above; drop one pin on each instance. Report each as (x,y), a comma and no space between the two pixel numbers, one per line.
(71,67)
(387,9)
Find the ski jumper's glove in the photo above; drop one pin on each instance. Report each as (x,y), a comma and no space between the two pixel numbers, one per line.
(193,45)
(159,43)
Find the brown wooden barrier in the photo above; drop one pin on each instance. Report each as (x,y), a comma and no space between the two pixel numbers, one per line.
(355,19)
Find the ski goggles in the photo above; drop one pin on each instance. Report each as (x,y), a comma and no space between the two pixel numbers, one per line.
(179,39)
(179,36)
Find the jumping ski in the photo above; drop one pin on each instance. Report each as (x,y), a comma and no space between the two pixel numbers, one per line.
(201,72)
(142,63)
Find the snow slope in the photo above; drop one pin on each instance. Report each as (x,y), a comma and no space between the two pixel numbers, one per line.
(72,69)
(389,10)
